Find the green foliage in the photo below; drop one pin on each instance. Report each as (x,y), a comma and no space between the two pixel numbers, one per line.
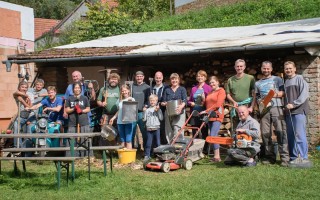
(145,9)
(50,9)
(101,22)
(239,14)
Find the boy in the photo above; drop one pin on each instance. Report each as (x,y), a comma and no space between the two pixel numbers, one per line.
(153,115)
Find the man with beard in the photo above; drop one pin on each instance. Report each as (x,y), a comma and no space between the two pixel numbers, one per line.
(274,117)
(107,99)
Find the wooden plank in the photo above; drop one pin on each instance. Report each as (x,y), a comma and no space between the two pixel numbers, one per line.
(41,158)
(60,149)
(53,135)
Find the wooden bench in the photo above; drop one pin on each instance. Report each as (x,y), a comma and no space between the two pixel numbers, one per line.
(59,160)
(106,151)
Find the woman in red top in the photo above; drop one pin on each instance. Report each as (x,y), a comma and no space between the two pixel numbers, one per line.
(215,101)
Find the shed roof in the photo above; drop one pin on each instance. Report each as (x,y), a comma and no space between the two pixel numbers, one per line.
(302,33)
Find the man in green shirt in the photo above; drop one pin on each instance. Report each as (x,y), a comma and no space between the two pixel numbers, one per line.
(108,98)
(240,90)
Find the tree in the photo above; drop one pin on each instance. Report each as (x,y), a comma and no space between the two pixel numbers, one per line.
(100,22)
(145,9)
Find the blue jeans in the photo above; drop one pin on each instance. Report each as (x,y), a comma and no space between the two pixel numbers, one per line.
(142,127)
(126,132)
(150,136)
(297,136)
(214,129)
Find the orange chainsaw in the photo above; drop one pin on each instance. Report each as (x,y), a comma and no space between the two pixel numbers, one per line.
(242,140)
(266,104)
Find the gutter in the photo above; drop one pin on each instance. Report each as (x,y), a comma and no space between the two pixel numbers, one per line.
(158,54)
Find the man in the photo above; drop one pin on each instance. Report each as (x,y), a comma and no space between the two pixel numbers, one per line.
(240,90)
(77,77)
(107,99)
(158,89)
(52,104)
(245,155)
(139,93)
(297,104)
(274,117)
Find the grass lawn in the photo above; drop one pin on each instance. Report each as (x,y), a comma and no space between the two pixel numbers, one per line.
(204,181)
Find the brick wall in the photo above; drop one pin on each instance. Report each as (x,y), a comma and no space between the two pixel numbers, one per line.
(54,76)
(11,26)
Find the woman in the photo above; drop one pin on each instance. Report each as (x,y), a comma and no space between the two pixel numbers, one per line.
(125,128)
(197,99)
(77,108)
(23,102)
(174,92)
(214,101)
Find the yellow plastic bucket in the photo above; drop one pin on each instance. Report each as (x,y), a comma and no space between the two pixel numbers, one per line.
(127,155)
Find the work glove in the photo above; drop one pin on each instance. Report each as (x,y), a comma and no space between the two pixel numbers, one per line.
(77,109)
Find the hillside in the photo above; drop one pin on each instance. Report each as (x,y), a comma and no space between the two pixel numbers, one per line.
(236,13)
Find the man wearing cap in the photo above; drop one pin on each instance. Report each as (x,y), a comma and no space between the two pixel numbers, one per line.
(139,93)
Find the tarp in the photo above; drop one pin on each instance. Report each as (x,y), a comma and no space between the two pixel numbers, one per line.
(275,34)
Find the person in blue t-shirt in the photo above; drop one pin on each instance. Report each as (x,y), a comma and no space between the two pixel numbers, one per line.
(53,105)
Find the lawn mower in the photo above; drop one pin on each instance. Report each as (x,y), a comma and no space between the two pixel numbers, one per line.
(182,152)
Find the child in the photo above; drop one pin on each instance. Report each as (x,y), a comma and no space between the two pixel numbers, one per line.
(125,128)
(152,116)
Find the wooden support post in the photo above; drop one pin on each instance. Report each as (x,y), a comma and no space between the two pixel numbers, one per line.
(104,157)
(72,154)
(58,174)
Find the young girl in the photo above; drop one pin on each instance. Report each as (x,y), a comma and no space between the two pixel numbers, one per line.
(152,116)
(125,128)
(77,107)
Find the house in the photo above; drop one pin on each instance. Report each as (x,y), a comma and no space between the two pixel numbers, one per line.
(52,35)
(187,51)
(15,37)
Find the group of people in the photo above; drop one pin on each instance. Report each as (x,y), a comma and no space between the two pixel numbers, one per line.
(286,114)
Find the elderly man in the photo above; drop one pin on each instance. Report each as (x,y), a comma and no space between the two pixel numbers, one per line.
(274,117)
(240,90)
(158,90)
(89,91)
(297,104)
(139,93)
(244,155)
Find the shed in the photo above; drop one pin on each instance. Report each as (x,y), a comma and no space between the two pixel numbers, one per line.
(186,51)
